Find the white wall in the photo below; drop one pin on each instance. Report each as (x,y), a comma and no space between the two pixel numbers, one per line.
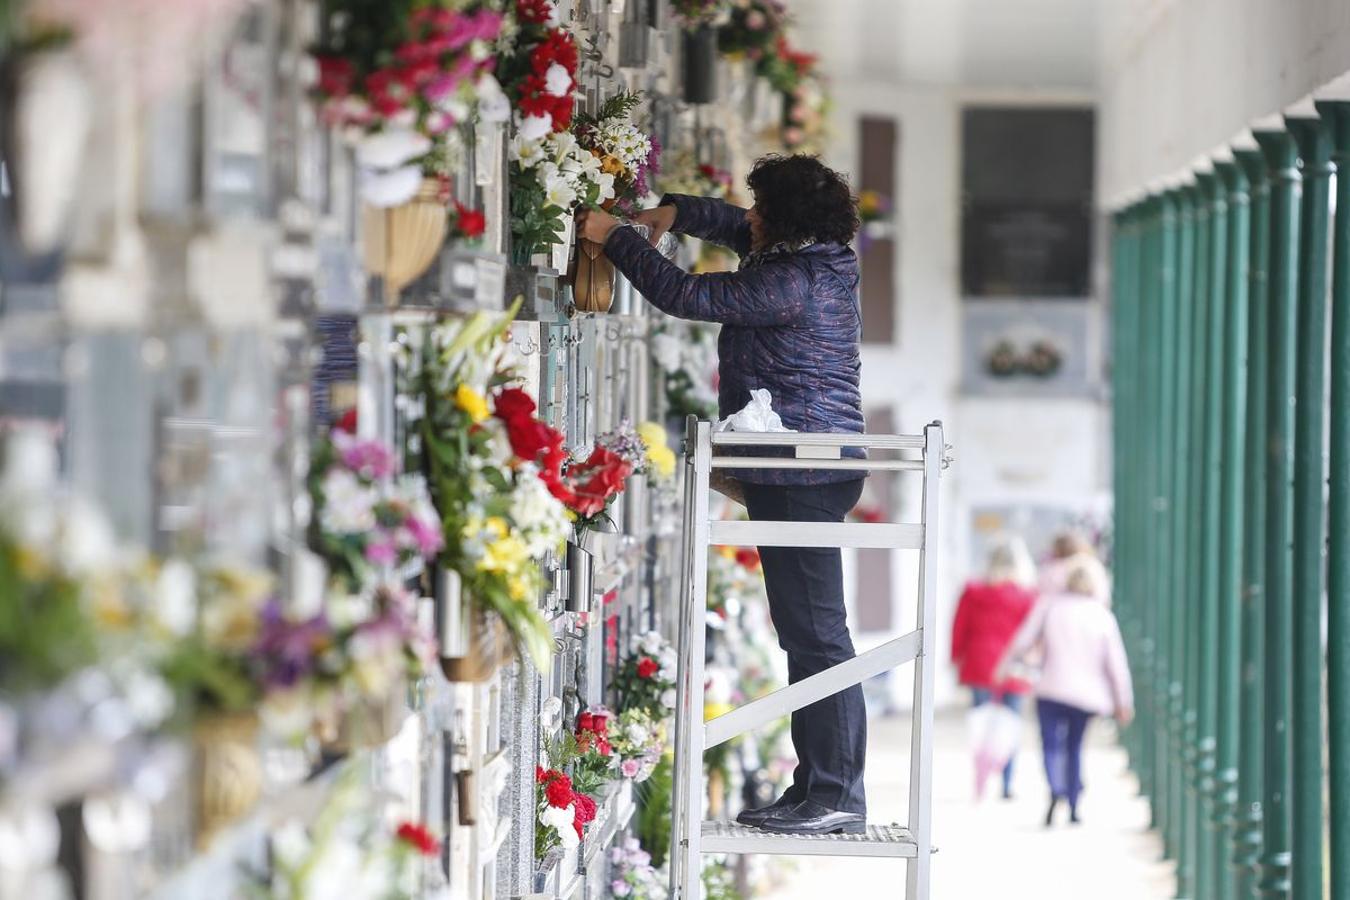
(921,63)
(1180,78)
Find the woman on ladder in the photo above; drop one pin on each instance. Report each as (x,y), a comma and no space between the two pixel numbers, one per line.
(791,325)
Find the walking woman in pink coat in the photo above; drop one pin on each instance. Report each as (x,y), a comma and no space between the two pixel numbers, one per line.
(1084,673)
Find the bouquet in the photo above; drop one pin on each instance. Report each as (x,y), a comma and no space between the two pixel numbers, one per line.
(397,77)
(494,472)
(785,68)
(687,360)
(638,741)
(551,177)
(632,874)
(646,679)
(561,813)
(594,761)
(366,521)
(624,151)
(660,458)
(599,478)
(682,173)
(753,28)
(537,66)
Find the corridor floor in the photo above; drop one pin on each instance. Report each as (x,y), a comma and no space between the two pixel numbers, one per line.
(998,849)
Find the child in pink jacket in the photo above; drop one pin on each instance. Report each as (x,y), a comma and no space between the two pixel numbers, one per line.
(1084,672)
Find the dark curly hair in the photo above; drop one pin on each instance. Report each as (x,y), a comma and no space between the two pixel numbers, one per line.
(799,199)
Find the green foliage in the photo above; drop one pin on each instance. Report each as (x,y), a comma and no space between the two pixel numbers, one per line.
(212,678)
(654,802)
(536,224)
(620,106)
(45,630)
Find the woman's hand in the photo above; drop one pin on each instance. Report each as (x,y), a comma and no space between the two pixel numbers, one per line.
(659,219)
(1124,716)
(595,224)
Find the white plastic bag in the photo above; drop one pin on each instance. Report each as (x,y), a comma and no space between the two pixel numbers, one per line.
(995,731)
(758,415)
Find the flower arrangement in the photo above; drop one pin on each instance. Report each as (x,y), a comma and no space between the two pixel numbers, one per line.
(1042,359)
(785,67)
(397,78)
(594,760)
(346,852)
(368,521)
(632,874)
(538,68)
(873,206)
(494,473)
(752,29)
(646,679)
(692,14)
(624,151)
(638,740)
(687,359)
(551,177)
(660,458)
(561,813)
(682,173)
(599,478)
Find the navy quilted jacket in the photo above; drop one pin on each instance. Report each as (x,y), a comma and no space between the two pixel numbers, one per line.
(790,324)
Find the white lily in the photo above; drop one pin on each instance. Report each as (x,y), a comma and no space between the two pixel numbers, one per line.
(534,127)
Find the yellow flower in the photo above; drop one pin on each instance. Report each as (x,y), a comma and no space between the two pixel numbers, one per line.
(713,710)
(659,455)
(612,165)
(518,587)
(472,402)
(506,554)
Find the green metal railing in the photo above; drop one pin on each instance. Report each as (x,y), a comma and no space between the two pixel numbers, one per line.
(1233,525)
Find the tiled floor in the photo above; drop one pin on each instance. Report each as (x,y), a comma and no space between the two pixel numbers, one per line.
(998,850)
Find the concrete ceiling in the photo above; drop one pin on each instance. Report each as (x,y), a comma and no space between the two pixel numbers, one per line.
(985,44)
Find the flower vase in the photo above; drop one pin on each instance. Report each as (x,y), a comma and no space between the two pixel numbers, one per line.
(367,721)
(401,242)
(580,578)
(699,54)
(227,772)
(45,98)
(474,642)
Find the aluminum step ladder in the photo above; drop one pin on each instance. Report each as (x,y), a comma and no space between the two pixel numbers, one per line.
(691,837)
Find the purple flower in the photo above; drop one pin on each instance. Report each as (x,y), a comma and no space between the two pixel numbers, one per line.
(285,650)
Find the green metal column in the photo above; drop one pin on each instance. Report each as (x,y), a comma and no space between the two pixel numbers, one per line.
(1176,605)
(1247,826)
(1208,687)
(1314,149)
(1281,332)
(1159,585)
(1337,116)
(1194,598)
(1228,609)
(1140,436)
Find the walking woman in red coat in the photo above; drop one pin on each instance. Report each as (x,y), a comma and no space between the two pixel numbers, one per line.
(987,617)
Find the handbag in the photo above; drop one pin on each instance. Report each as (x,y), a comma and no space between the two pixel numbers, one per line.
(591,275)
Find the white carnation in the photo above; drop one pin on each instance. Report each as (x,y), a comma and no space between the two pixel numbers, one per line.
(668,698)
(557,81)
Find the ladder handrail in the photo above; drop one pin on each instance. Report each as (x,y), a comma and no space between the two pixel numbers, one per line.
(818,439)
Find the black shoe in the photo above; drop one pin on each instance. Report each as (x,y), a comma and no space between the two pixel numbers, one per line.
(754,817)
(812,818)
(1050,813)
(1073,816)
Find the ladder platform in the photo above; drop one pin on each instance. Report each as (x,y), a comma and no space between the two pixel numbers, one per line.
(886,841)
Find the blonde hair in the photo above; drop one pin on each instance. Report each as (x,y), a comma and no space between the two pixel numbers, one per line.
(1071,543)
(1009,560)
(1086,576)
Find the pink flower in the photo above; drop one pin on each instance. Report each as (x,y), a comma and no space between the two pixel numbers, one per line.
(427,534)
(369,459)
(382,552)
(630,768)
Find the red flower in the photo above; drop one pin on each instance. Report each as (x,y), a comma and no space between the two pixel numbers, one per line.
(533,11)
(747,557)
(540,775)
(513,403)
(472,222)
(420,838)
(586,722)
(559,47)
(585,808)
(335,76)
(647,667)
(348,421)
(530,437)
(559,792)
(579,826)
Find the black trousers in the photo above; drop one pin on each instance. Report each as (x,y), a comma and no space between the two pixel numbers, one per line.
(806,603)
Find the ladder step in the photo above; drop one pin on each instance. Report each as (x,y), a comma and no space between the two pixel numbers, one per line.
(860,535)
(892,841)
(818,439)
